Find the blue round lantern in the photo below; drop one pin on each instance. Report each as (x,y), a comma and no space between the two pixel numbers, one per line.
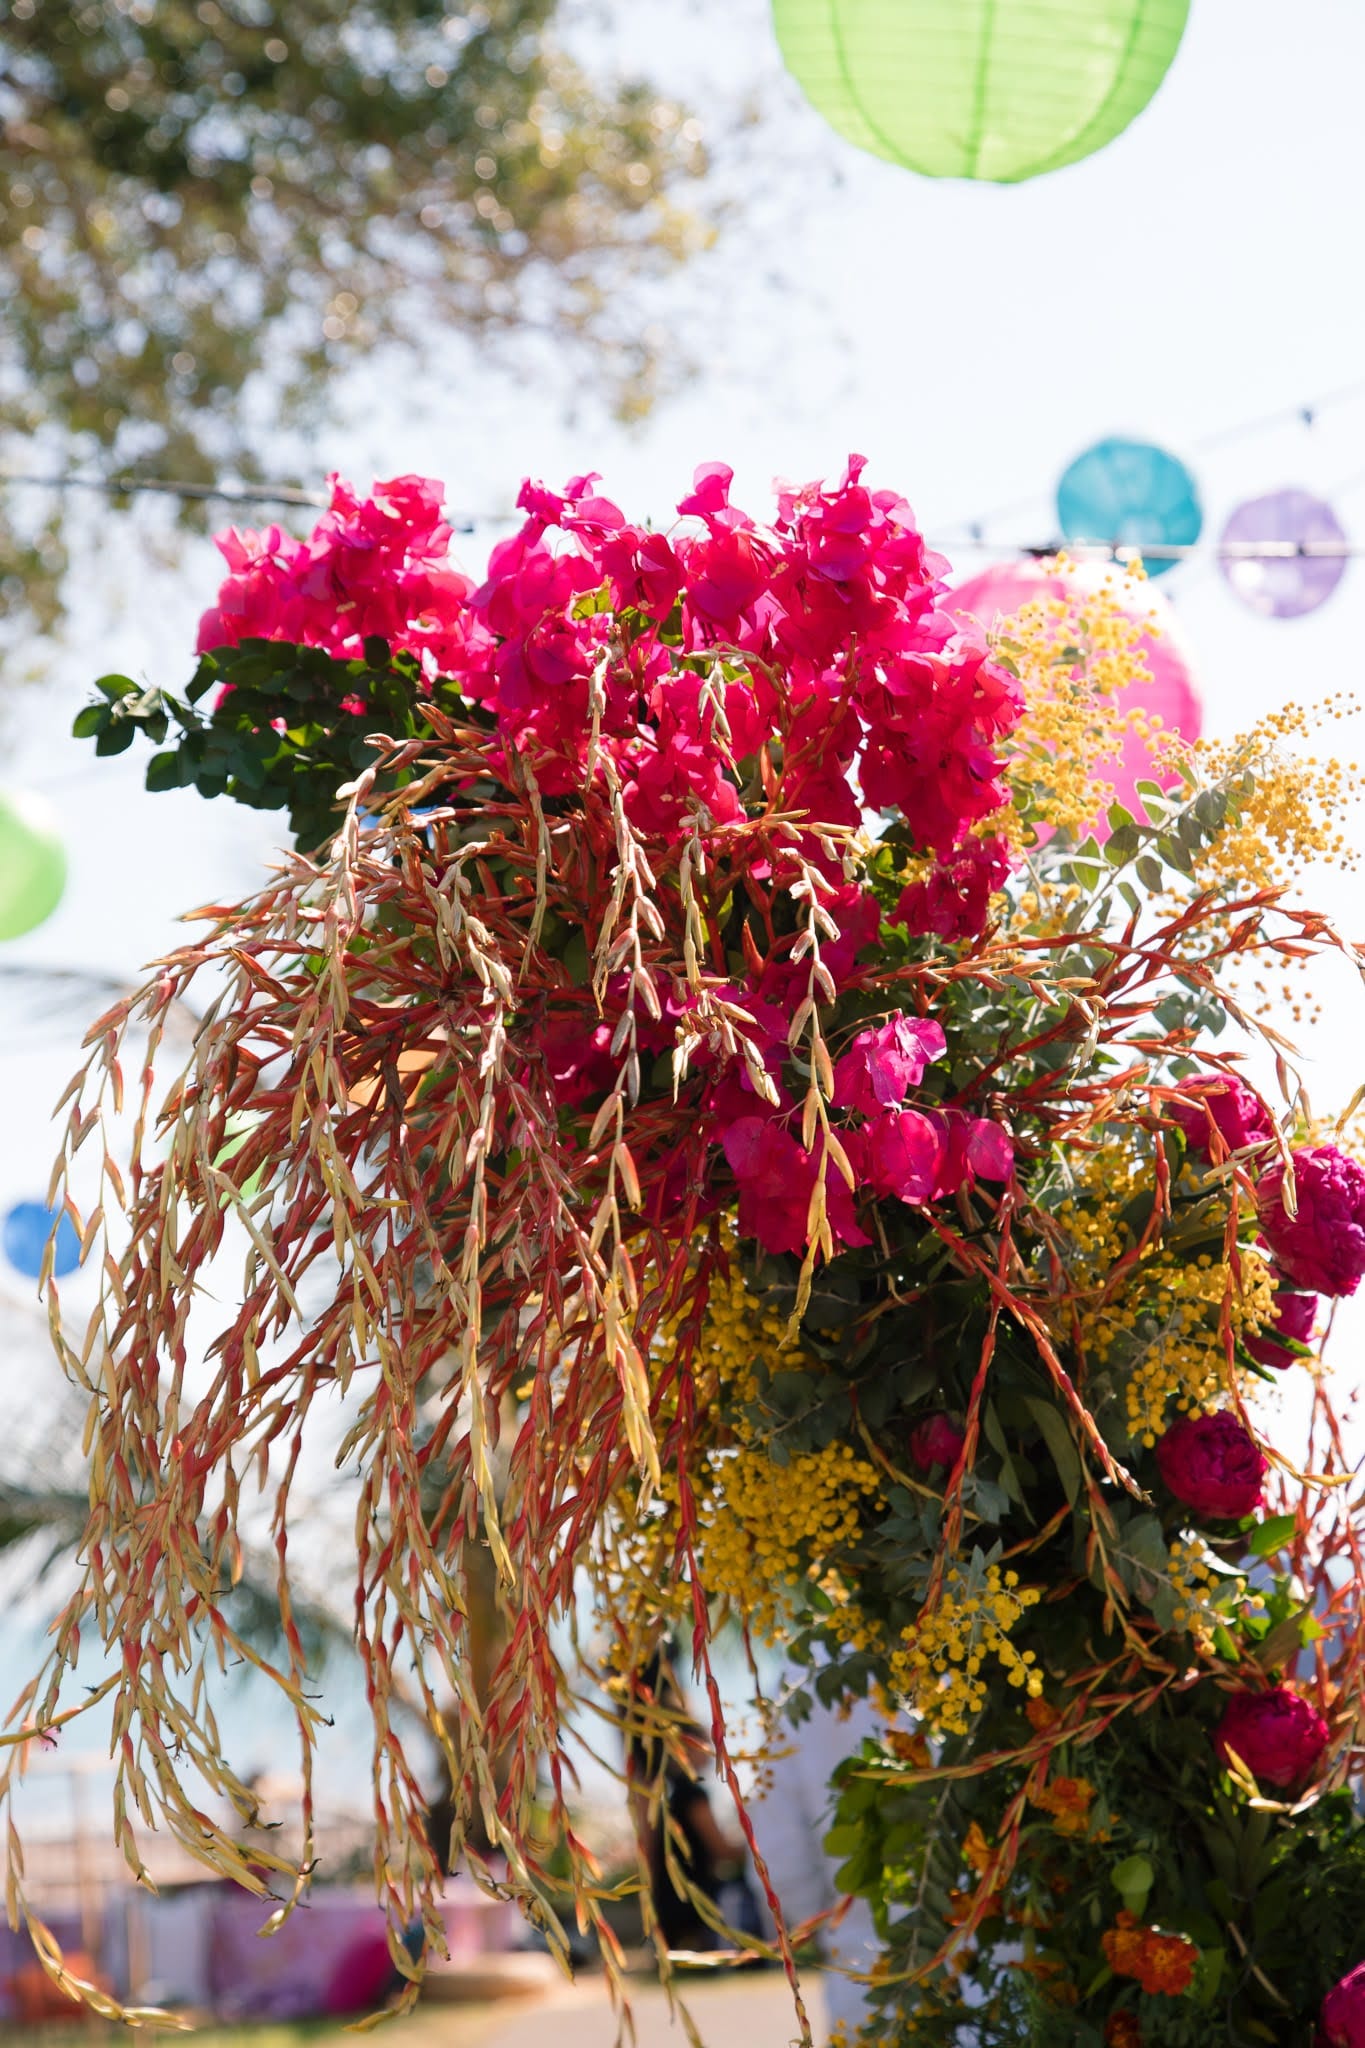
(27,1228)
(1130,494)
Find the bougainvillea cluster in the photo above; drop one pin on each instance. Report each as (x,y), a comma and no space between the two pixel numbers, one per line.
(741,1142)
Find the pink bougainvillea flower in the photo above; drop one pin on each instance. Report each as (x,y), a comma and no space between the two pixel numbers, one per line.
(973,1146)
(952,902)
(989,1151)
(709,497)
(775,1177)
(904,1155)
(883,1065)
(839,611)
(1322,1249)
(1227,1107)
(1341,2022)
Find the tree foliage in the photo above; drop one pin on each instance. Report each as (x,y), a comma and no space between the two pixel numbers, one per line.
(207,210)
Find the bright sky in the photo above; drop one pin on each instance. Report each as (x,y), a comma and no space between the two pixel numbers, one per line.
(968,339)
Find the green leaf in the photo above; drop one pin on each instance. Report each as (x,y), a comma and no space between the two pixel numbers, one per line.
(1133,1880)
(1149,873)
(165,771)
(1271,1535)
(576,962)
(1061,1444)
(115,687)
(88,722)
(115,738)
(1122,845)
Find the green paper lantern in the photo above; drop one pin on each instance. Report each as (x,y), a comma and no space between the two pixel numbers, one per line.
(32,863)
(993,89)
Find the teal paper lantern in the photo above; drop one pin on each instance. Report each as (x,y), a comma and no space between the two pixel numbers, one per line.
(1000,90)
(1130,494)
(32,863)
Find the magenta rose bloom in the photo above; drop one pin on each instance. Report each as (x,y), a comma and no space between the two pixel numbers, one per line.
(1321,1249)
(936,1441)
(1228,1107)
(1295,1315)
(1278,1736)
(1213,1465)
(1342,2019)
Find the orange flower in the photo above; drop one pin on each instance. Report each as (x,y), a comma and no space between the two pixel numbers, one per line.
(976,1850)
(1040,1715)
(1122,2031)
(1050,1973)
(910,1749)
(962,1906)
(1068,1801)
(1158,1962)
(1170,1964)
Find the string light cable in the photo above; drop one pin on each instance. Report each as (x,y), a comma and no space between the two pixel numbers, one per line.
(1306,414)
(975,539)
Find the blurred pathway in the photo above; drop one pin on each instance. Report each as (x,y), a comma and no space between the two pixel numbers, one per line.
(737,2013)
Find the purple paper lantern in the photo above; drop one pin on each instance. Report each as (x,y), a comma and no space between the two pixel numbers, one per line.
(1283,586)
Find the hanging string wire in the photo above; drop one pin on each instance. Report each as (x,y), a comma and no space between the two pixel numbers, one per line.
(974,540)
(120,486)
(1306,414)
(1161,551)
(206,493)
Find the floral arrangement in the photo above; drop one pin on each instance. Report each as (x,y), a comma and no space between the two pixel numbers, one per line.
(740,1118)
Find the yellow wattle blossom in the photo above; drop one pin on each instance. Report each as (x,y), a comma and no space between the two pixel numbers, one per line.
(1075,656)
(1290,810)
(765,1529)
(1157,1325)
(938,1664)
(1206,1599)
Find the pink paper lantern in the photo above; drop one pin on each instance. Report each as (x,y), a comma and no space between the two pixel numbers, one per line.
(1171,693)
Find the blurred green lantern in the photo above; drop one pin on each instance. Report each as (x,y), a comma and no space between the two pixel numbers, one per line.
(993,89)
(32,863)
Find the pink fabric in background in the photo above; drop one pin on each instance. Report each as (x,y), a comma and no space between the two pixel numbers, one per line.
(330,1956)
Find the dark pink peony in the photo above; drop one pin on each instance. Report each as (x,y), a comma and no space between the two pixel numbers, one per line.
(938,1440)
(1342,2019)
(1228,1107)
(1295,1315)
(1212,1464)
(1322,1249)
(1278,1736)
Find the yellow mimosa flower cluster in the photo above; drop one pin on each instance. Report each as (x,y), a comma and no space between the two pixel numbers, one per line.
(939,1664)
(1160,1322)
(1075,655)
(768,1528)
